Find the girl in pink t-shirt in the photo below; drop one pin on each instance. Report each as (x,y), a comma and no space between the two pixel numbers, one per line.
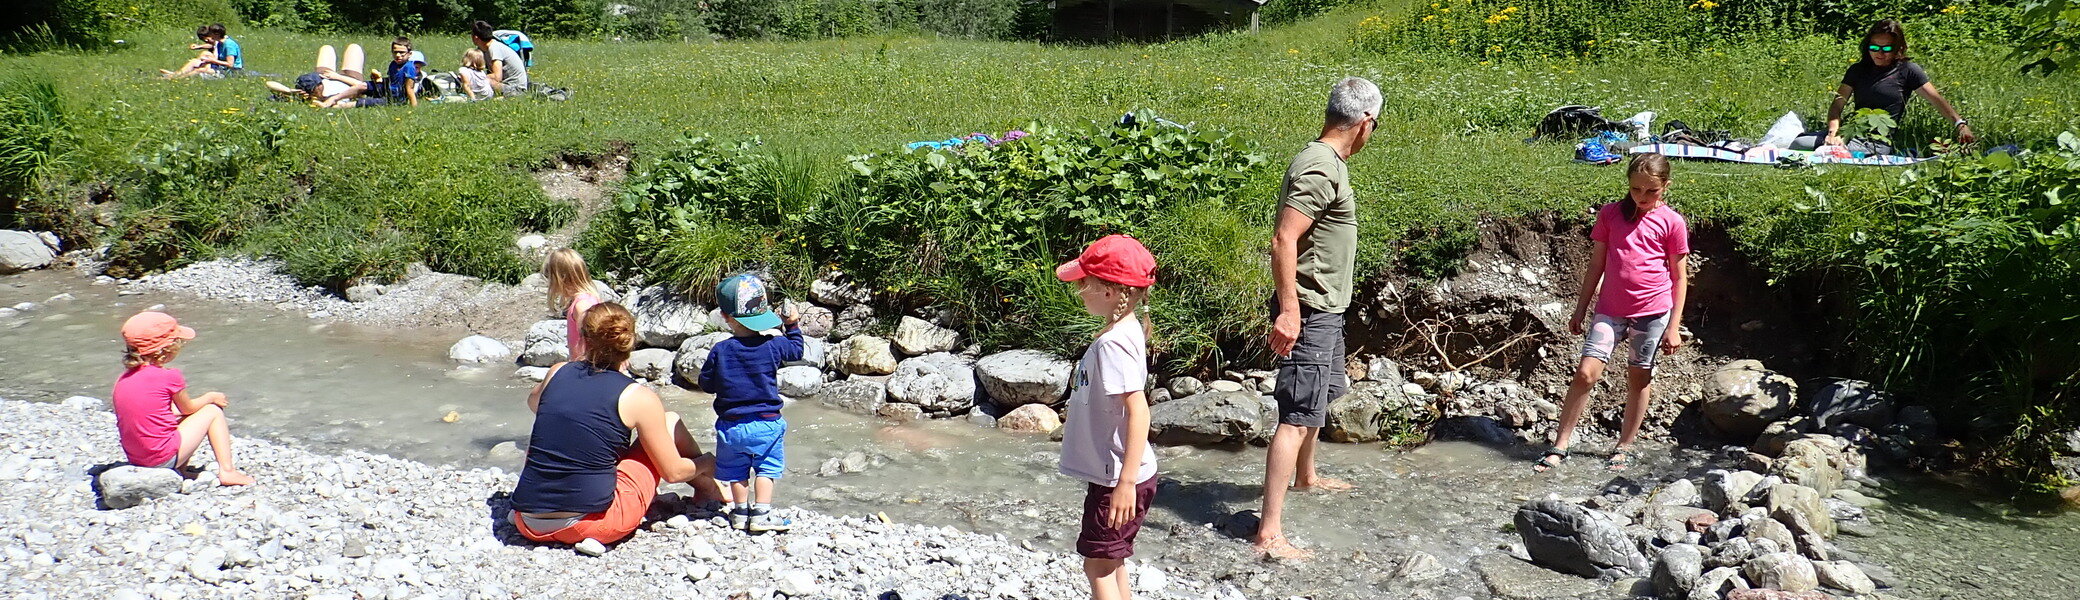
(1637,275)
(570,292)
(159,423)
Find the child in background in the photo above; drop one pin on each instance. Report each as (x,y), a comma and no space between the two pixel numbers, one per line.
(743,374)
(475,83)
(1641,259)
(570,292)
(159,423)
(220,55)
(1105,438)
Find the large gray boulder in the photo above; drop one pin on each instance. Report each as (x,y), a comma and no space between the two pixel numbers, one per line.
(1368,412)
(1677,571)
(1716,583)
(935,382)
(800,382)
(22,251)
(130,485)
(1854,402)
(1031,418)
(1208,418)
(816,352)
(817,321)
(693,354)
(851,321)
(1744,397)
(1782,571)
(479,349)
(1020,377)
(862,396)
(546,344)
(1845,576)
(664,319)
(863,355)
(1571,539)
(654,364)
(916,336)
(1800,508)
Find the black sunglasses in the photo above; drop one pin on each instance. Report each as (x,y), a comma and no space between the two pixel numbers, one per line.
(1878,48)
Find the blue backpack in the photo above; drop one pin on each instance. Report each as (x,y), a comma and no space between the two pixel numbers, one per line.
(519,42)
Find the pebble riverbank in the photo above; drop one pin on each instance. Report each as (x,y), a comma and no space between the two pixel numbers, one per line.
(363,526)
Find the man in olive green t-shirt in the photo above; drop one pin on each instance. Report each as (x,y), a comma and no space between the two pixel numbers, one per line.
(1312,253)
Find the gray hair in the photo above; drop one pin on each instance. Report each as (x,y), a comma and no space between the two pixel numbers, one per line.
(1350,101)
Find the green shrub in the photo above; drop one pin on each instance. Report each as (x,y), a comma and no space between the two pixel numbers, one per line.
(1511,29)
(35,141)
(53,24)
(1962,276)
(2051,36)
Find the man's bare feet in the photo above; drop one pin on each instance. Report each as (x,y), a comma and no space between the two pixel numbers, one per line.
(234,477)
(1277,548)
(1326,484)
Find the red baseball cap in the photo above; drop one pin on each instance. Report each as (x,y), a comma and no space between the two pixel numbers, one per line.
(151,331)
(1116,258)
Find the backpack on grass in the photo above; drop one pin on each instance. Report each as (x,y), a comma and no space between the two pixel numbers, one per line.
(518,41)
(1573,122)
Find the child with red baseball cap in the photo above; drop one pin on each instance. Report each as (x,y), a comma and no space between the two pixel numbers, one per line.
(1105,439)
(159,423)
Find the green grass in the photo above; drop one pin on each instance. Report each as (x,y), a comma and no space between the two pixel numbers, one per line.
(385,183)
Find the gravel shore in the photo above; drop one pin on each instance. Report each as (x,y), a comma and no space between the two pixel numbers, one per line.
(370,527)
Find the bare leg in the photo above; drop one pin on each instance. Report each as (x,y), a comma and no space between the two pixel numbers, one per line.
(352,61)
(1281,459)
(765,489)
(740,493)
(1639,382)
(1306,478)
(211,424)
(1585,378)
(1108,578)
(328,59)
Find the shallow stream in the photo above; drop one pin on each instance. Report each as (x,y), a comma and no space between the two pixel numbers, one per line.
(334,386)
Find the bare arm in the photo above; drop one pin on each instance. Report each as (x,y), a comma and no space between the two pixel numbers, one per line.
(411,92)
(1834,113)
(1590,278)
(1964,131)
(1679,274)
(1124,499)
(188,405)
(642,410)
(497,73)
(1285,269)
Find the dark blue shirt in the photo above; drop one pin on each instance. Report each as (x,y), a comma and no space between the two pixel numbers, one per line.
(577,441)
(743,374)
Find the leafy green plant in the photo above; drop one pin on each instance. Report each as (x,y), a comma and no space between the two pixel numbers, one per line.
(2051,36)
(1869,123)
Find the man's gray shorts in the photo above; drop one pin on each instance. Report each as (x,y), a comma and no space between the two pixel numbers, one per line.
(1313,376)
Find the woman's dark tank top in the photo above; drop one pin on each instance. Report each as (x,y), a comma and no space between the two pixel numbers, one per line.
(578,439)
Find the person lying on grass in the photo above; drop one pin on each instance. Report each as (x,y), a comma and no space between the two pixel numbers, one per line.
(339,80)
(220,55)
(1638,274)
(160,425)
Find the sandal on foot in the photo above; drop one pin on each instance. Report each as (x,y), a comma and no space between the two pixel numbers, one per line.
(1550,460)
(1619,460)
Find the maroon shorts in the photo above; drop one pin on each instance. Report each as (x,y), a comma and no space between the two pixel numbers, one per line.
(1100,541)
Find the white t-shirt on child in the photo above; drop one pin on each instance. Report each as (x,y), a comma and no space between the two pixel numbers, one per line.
(476,81)
(1094,438)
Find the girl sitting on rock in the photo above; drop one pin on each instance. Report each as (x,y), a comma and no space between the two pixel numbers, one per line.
(601,444)
(570,293)
(159,423)
(1637,273)
(1105,438)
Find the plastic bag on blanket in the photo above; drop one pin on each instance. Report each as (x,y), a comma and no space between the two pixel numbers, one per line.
(1787,128)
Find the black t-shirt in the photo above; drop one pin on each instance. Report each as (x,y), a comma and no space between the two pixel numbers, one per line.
(1884,87)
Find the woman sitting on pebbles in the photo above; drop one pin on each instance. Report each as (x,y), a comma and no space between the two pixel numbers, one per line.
(584,477)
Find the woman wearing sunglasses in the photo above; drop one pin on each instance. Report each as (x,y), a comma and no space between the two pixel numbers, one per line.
(1884,79)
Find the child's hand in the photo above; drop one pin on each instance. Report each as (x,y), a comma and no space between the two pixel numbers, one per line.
(1124,503)
(218,399)
(1672,340)
(1574,323)
(789,314)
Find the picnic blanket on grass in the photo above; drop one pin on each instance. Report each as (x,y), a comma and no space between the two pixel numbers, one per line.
(1771,156)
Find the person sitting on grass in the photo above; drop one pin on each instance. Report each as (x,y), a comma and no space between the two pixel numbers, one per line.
(160,425)
(401,82)
(584,477)
(220,55)
(475,83)
(742,372)
(339,80)
(1885,79)
(508,70)
(1638,274)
